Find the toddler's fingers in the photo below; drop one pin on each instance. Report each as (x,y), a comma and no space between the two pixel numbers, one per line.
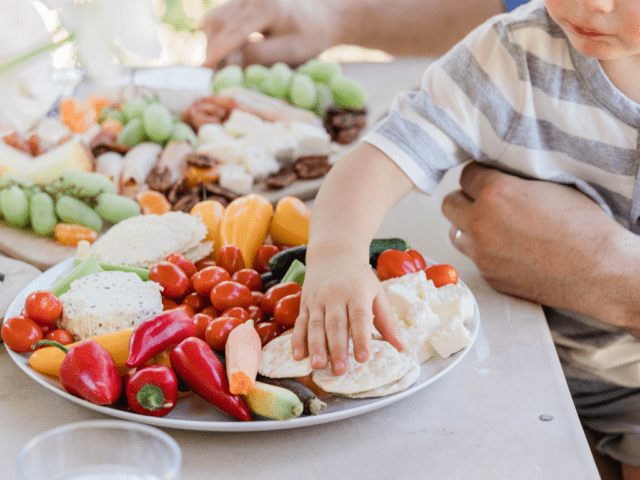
(360,321)
(337,330)
(385,321)
(317,340)
(299,336)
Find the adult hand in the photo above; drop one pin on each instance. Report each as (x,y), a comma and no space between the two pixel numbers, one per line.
(548,243)
(294,31)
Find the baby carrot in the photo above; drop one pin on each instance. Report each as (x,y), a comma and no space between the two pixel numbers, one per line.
(242,353)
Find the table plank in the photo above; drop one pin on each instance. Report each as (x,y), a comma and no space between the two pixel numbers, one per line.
(17,275)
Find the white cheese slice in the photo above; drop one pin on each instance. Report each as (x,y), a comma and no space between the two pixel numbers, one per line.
(449,338)
(312,139)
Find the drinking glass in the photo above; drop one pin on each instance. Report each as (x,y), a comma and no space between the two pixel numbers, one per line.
(101,450)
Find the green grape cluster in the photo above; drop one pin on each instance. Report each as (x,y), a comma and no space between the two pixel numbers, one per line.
(145,119)
(84,198)
(313,86)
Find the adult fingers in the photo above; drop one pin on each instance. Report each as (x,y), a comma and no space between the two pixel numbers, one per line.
(475,177)
(289,49)
(456,208)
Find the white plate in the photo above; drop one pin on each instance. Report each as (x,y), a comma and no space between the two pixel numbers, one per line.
(194,413)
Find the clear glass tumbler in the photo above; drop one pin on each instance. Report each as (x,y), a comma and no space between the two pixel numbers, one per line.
(101,450)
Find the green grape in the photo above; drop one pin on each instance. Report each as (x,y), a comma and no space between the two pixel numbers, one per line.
(229,76)
(132,133)
(325,98)
(72,210)
(347,92)
(134,108)
(183,132)
(43,214)
(15,206)
(254,75)
(157,122)
(304,68)
(85,184)
(302,92)
(111,113)
(321,72)
(115,208)
(276,83)
(8,179)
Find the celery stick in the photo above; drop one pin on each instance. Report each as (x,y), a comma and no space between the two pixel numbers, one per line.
(295,273)
(143,273)
(84,268)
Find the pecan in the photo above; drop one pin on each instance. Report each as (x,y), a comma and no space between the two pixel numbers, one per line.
(313,166)
(216,190)
(177,190)
(159,180)
(283,177)
(344,124)
(106,141)
(200,160)
(185,203)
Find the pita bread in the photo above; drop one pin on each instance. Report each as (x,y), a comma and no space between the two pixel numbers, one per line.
(400,385)
(385,365)
(277,360)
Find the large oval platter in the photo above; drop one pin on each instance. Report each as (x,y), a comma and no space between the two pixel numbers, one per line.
(194,413)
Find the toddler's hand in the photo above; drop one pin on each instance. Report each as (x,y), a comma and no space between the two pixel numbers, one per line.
(341,297)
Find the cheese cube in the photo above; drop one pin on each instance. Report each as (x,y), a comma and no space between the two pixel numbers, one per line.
(449,338)
(280,142)
(235,178)
(401,298)
(211,132)
(420,315)
(241,124)
(416,343)
(258,162)
(312,139)
(459,307)
(226,150)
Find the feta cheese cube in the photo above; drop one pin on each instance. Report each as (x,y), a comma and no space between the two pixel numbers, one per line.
(280,142)
(419,314)
(241,124)
(211,132)
(226,150)
(416,343)
(459,307)
(449,338)
(235,178)
(312,139)
(401,298)
(258,162)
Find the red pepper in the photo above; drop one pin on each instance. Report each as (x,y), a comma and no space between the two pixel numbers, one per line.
(152,390)
(88,371)
(199,368)
(156,334)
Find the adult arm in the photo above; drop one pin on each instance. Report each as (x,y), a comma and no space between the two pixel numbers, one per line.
(547,243)
(297,30)
(341,296)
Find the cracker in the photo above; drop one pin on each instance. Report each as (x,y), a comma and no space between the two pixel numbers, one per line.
(400,385)
(385,365)
(277,360)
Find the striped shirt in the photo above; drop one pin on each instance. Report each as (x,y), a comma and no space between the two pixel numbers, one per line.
(515,95)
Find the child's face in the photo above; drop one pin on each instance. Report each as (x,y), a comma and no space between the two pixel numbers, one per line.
(602,29)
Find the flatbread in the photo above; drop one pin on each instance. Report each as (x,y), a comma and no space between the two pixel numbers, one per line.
(277,360)
(385,365)
(400,385)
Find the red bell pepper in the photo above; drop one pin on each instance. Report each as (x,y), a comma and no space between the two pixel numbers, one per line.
(199,368)
(152,390)
(156,334)
(88,371)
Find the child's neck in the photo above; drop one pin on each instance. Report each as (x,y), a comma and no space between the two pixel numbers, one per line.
(624,73)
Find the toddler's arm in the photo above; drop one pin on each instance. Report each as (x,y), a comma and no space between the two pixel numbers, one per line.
(341,296)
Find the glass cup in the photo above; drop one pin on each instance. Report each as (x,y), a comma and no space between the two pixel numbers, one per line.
(101,450)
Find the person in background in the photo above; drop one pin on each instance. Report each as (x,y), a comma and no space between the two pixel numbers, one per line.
(295,30)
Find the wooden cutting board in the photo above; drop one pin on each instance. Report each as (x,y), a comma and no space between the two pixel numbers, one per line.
(26,246)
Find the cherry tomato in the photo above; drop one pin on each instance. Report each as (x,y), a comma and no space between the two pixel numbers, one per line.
(256,314)
(239,312)
(175,283)
(263,255)
(168,304)
(218,331)
(188,309)
(287,310)
(249,277)
(46,329)
(61,336)
(269,330)
(43,307)
(257,298)
(183,262)
(202,321)
(275,293)
(206,262)
(19,333)
(207,278)
(196,301)
(230,294)
(418,259)
(394,263)
(441,274)
(230,258)
(211,311)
